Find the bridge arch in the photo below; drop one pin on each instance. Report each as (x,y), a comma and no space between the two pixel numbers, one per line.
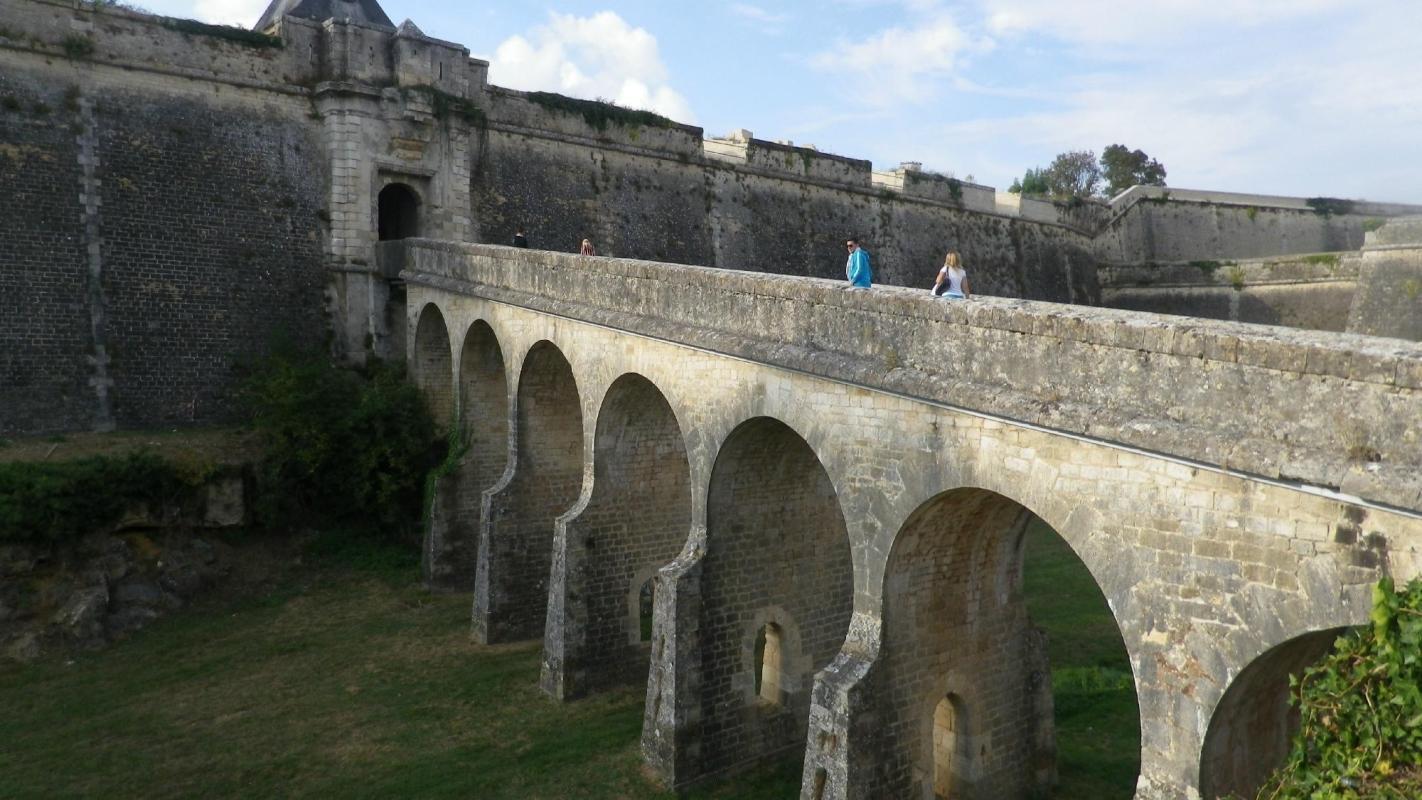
(432,365)
(635,520)
(452,532)
(543,479)
(1251,726)
(777,552)
(956,625)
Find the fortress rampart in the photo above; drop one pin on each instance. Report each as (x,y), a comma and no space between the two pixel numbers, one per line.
(179,194)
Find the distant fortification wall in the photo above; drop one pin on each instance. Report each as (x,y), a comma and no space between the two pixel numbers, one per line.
(178,194)
(1313,292)
(1155,224)
(661,193)
(159,225)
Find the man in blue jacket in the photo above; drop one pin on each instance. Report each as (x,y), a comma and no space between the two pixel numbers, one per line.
(857,267)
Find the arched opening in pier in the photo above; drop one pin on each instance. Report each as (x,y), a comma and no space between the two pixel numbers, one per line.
(970,708)
(1251,727)
(950,751)
(778,573)
(767,660)
(547,480)
(433,366)
(635,522)
(453,535)
(397,212)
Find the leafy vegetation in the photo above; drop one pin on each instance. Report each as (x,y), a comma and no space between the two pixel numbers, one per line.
(448,105)
(1361,711)
(1329,206)
(77,46)
(342,446)
(229,33)
(68,499)
(1123,168)
(1373,223)
(600,113)
(1078,174)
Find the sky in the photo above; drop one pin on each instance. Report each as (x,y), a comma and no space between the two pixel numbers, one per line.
(1294,97)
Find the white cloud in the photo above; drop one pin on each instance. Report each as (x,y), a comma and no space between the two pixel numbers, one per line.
(1139,23)
(242,13)
(901,64)
(757,14)
(600,56)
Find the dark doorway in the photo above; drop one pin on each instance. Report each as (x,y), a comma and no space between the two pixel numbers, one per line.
(399,212)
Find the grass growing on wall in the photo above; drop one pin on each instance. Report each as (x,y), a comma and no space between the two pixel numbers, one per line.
(599,114)
(229,33)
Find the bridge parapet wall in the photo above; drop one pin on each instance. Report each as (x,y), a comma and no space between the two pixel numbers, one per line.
(1337,412)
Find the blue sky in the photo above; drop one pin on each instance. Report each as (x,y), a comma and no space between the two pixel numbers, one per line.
(1296,97)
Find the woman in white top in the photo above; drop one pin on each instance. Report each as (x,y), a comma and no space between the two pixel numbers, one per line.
(956,277)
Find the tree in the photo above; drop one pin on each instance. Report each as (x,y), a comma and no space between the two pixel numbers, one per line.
(1073,174)
(1125,168)
(1034,182)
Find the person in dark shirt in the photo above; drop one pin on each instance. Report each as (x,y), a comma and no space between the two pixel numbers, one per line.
(519,239)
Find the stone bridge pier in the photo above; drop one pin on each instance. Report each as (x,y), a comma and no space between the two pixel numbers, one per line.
(798,513)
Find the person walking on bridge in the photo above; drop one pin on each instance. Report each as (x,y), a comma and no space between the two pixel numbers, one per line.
(955,277)
(857,268)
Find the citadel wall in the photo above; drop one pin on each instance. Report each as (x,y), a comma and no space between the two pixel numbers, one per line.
(651,192)
(160,223)
(178,194)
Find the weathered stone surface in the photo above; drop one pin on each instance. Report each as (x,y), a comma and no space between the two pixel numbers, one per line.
(1151,446)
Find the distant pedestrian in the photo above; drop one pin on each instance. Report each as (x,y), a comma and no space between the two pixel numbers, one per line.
(952,283)
(520,240)
(857,267)
(587,248)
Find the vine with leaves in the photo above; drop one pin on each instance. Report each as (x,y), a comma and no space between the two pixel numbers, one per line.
(1360,735)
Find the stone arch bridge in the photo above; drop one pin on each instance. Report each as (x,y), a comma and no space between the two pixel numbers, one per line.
(822,495)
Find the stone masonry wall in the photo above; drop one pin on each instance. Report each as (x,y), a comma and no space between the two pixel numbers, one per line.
(167,223)
(1313,292)
(1137,379)
(1206,562)
(955,623)
(1170,228)
(44,274)
(777,554)
(635,521)
(650,193)
(516,537)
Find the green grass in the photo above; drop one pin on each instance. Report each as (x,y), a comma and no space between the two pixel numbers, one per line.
(351,681)
(1097,718)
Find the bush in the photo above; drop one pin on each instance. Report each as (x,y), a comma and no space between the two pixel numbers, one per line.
(342,446)
(68,499)
(1361,711)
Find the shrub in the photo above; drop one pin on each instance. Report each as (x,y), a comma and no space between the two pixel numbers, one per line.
(68,499)
(77,46)
(342,446)
(1361,710)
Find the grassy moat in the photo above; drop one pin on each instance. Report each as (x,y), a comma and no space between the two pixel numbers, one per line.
(351,681)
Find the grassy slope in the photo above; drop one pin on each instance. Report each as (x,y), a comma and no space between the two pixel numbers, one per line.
(359,684)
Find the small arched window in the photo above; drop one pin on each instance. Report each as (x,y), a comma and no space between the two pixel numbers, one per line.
(768,664)
(398,212)
(645,598)
(948,745)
